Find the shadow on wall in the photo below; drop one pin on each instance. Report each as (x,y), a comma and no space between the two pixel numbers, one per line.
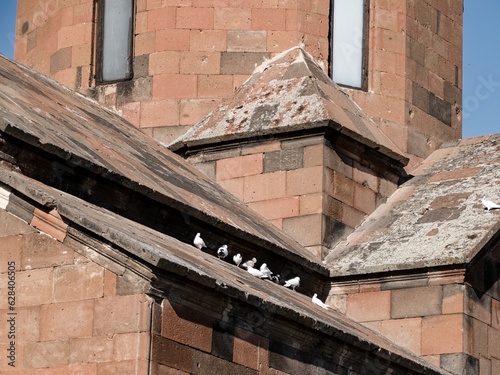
(483,272)
(229,336)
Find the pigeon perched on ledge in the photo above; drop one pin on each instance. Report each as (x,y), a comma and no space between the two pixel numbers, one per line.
(318,302)
(265,270)
(198,242)
(249,263)
(293,283)
(275,279)
(237,259)
(222,252)
(256,272)
(489,205)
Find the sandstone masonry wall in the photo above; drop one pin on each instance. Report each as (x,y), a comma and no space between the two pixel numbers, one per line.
(304,187)
(191,54)
(72,315)
(439,318)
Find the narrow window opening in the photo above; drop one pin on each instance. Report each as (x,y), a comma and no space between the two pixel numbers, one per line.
(348,28)
(115,52)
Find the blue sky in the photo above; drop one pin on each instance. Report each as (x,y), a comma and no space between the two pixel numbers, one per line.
(481,80)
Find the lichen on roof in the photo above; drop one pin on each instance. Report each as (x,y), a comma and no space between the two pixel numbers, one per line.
(288,93)
(435,219)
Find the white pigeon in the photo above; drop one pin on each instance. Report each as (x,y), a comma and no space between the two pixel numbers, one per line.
(255,272)
(249,263)
(295,282)
(198,242)
(222,252)
(237,259)
(489,205)
(265,270)
(318,302)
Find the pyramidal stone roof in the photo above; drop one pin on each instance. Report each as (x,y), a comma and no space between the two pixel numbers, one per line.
(436,219)
(288,93)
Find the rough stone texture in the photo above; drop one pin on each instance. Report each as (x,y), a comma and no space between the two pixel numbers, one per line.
(60,60)
(441,222)
(56,295)
(406,303)
(283,160)
(460,364)
(289,181)
(289,92)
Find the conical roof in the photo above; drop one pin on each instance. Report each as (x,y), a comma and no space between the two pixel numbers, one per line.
(285,94)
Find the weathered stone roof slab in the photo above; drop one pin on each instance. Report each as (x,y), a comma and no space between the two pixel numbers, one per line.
(285,94)
(435,219)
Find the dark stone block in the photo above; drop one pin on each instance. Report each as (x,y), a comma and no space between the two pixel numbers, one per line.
(281,356)
(241,62)
(141,66)
(329,368)
(272,161)
(290,360)
(440,109)
(292,159)
(440,215)
(171,354)
(284,160)
(20,208)
(60,60)
(420,97)
(460,364)
(417,51)
(431,104)
(136,90)
(204,363)
(223,340)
